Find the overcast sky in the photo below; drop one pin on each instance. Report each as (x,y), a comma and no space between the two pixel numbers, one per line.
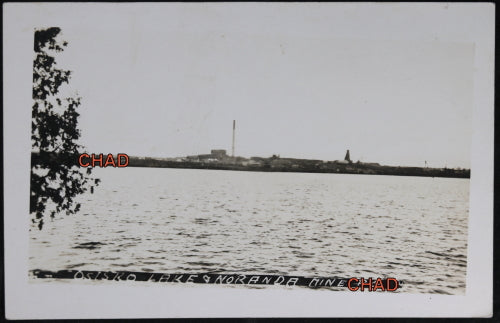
(169,83)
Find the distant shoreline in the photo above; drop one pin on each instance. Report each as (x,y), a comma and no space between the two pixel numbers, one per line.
(277,164)
(291,171)
(325,168)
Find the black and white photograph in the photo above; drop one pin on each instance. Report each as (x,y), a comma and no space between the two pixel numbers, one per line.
(330,152)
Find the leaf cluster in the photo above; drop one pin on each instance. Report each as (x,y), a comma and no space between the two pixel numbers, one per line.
(56,178)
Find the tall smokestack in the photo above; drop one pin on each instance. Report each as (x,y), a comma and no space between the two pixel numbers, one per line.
(234,130)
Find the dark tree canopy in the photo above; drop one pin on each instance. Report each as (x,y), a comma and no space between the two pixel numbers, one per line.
(56,179)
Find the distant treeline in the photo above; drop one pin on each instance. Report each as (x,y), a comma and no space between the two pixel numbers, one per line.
(307,166)
(273,164)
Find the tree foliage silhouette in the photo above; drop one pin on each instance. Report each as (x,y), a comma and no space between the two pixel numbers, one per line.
(56,178)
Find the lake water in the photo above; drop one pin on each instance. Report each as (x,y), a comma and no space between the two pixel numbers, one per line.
(187,220)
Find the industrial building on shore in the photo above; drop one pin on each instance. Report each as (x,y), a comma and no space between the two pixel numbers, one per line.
(219,159)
